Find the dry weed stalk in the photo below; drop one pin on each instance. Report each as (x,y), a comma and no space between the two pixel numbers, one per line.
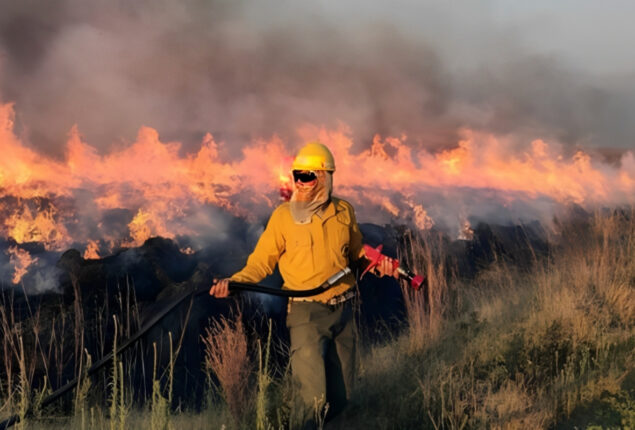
(14,349)
(160,407)
(264,381)
(118,408)
(82,390)
(425,308)
(78,329)
(613,263)
(59,330)
(24,389)
(227,357)
(320,409)
(7,347)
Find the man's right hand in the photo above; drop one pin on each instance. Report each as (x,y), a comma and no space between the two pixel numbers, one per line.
(386,267)
(220,288)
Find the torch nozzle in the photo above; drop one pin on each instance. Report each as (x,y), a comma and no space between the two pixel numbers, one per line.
(415,280)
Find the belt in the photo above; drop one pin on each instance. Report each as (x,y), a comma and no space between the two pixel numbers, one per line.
(344,297)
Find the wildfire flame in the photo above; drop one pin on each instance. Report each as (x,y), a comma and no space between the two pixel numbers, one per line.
(160,191)
(92,250)
(21,260)
(22,225)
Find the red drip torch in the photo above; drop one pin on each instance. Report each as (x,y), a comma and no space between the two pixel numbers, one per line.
(375,256)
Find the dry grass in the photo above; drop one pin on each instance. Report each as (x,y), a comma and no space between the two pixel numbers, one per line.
(523,349)
(226,355)
(548,346)
(160,405)
(425,308)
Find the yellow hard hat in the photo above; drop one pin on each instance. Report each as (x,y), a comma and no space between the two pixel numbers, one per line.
(314,156)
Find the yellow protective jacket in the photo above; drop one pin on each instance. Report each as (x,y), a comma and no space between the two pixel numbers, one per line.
(307,254)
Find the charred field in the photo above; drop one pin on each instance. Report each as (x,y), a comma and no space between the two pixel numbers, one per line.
(519,327)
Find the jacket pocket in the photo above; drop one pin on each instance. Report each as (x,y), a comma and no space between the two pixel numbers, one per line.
(300,252)
(339,240)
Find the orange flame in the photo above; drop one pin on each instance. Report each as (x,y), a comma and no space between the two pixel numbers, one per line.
(161,189)
(21,260)
(22,225)
(146,225)
(92,250)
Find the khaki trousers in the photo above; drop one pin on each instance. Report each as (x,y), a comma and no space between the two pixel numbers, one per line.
(322,357)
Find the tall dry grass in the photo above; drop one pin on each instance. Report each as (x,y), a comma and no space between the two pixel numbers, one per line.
(425,308)
(118,405)
(160,404)
(227,358)
(547,344)
(263,383)
(19,362)
(43,347)
(81,393)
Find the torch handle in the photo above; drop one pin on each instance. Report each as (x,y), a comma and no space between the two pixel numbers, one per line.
(375,256)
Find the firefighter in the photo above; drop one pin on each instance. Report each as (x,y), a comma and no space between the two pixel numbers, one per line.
(310,238)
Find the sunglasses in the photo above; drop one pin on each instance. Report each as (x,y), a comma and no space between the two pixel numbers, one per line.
(304,176)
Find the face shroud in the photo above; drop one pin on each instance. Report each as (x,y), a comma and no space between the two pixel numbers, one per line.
(311,193)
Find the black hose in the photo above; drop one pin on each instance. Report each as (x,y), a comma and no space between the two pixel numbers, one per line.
(244,286)
(233,287)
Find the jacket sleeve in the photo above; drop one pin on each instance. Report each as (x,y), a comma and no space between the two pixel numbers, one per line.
(355,246)
(263,260)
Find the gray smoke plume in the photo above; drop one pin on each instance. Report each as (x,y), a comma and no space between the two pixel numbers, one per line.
(245,69)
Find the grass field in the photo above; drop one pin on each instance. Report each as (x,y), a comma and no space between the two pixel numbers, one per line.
(548,345)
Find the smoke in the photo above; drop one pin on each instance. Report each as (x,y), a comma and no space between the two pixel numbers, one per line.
(433,111)
(244,69)
(38,274)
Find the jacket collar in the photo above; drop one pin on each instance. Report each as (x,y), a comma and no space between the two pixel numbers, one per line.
(331,209)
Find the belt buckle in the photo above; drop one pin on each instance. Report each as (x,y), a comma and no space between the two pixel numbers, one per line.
(344,297)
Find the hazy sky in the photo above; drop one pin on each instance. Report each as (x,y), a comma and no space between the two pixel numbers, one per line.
(594,36)
(242,69)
